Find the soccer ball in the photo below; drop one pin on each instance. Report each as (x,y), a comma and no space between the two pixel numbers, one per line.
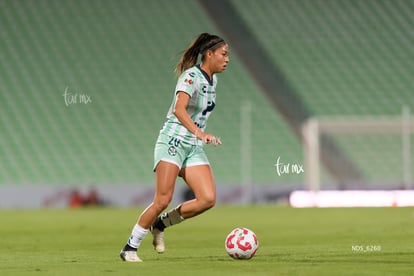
(241,243)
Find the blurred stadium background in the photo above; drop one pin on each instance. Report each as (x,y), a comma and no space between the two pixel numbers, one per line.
(290,61)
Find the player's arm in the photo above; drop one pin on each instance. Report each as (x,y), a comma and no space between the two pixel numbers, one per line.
(180,111)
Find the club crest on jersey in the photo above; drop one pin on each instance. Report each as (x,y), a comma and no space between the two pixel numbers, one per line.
(172,151)
(189,81)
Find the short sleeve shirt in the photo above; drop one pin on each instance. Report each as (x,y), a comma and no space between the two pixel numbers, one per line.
(202,91)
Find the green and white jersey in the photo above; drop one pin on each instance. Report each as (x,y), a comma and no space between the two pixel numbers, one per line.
(202,90)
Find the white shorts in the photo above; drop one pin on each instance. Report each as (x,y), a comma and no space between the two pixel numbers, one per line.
(175,151)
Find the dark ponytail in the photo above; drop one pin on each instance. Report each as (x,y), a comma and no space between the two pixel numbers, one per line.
(200,45)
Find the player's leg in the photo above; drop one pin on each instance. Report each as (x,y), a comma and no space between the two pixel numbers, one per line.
(197,173)
(165,175)
(200,179)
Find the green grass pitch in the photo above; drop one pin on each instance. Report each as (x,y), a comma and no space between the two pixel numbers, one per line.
(369,241)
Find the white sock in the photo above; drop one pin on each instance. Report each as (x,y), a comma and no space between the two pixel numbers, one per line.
(137,235)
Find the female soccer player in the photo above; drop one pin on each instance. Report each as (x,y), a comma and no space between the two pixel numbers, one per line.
(179,148)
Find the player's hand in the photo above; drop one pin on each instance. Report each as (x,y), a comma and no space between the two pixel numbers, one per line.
(209,138)
(213,140)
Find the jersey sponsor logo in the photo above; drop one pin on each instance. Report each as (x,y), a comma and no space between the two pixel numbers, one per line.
(189,81)
(210,107)
(204,90)
(200,125)
(191,74)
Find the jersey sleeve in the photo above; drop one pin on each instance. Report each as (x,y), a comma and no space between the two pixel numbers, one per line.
(186,82)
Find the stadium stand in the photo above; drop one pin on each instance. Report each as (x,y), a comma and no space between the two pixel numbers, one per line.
(341,57)
(120,57)
(344,58)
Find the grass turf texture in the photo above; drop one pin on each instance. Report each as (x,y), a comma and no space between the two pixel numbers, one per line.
(292,242)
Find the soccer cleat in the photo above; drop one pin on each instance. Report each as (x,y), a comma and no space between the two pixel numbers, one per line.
(158,240)
(129,256)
